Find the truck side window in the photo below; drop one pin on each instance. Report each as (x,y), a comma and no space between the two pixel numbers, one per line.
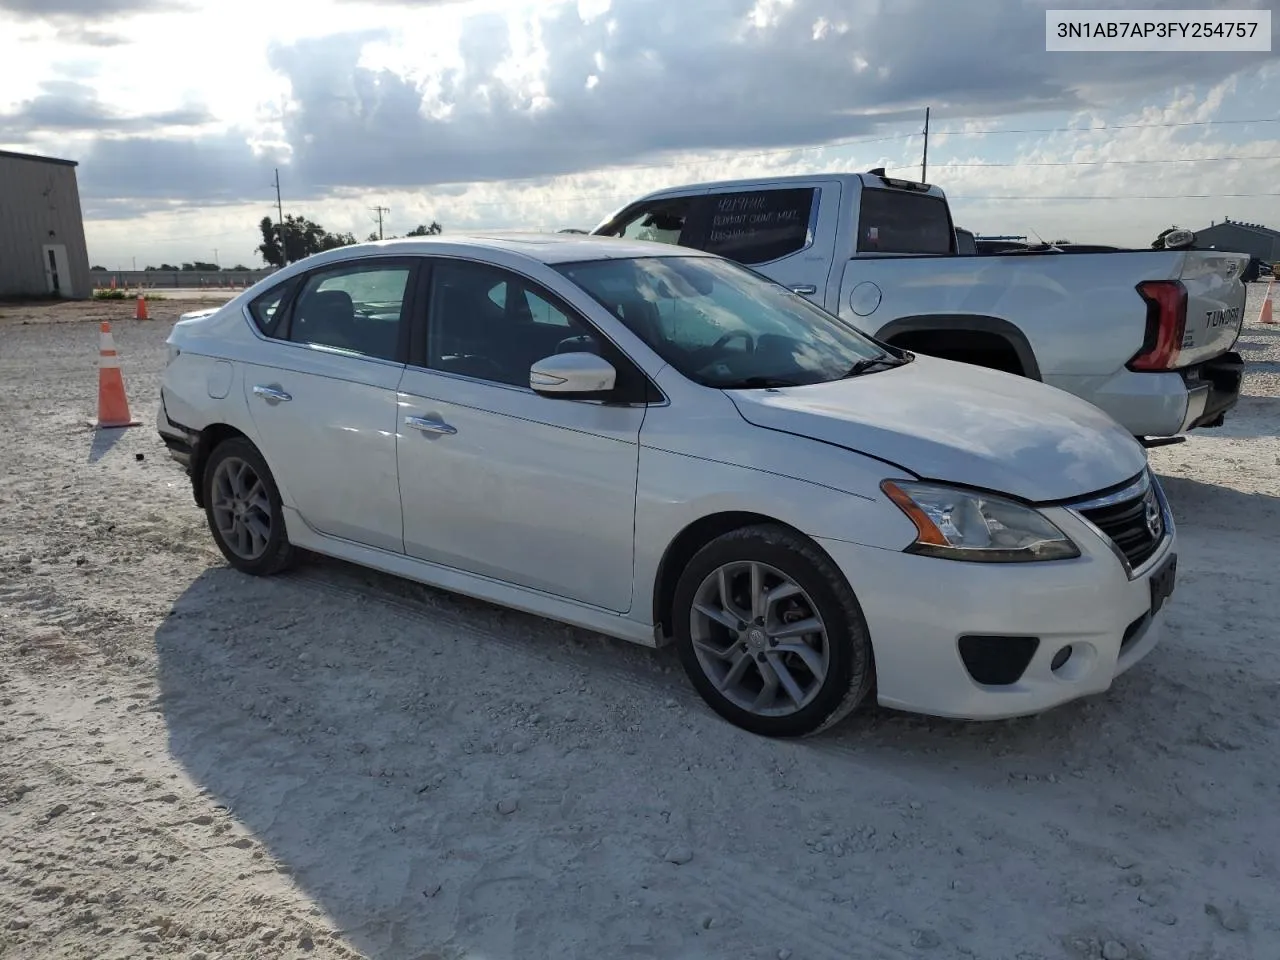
(898,221)
(754,226)
(662,221)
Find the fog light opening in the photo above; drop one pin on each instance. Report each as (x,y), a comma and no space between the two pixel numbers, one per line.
(1074,662)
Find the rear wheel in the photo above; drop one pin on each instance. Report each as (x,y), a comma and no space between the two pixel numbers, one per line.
(770,634)
(242,505)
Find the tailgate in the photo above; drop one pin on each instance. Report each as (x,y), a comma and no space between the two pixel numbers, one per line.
(1215,303)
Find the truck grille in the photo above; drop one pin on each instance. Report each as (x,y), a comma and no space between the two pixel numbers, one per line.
(1134,523)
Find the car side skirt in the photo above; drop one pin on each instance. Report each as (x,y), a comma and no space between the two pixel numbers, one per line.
(302,535)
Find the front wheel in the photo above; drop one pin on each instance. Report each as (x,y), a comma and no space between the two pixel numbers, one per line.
(770,634)
(244,511)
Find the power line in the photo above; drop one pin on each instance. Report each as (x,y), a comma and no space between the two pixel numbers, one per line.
(854,141)
(1107,126)
(1079,163)
(1134,196)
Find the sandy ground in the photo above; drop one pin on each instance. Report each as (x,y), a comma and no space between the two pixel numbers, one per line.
(335,763)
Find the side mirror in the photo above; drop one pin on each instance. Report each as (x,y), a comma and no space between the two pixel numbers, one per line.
(582,375)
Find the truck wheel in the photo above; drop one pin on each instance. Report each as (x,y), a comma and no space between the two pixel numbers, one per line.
(770,634)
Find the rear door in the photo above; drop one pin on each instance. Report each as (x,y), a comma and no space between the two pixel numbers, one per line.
(785,231)
(1215,303)
(323,399)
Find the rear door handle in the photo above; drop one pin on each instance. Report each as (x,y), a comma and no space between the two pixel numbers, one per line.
(430,426)
(271,394)
(804,288)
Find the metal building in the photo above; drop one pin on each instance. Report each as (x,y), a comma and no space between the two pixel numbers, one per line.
(42,248)
(1233,236)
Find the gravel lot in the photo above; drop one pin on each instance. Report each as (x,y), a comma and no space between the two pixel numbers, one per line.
(337,763)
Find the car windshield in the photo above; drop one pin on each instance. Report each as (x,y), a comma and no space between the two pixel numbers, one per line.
(722,325)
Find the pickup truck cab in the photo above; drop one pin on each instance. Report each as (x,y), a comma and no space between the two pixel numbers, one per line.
(1146,335)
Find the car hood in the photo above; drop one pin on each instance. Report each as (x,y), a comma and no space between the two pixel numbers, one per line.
(959,423)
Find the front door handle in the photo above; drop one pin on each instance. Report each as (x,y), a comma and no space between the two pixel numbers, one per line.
(271,394)
(804,289)
(430,426)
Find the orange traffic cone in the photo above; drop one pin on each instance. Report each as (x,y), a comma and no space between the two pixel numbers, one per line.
(113,405)
(141,312)
(1265,315)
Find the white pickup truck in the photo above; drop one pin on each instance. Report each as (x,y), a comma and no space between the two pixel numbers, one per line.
(1146,335)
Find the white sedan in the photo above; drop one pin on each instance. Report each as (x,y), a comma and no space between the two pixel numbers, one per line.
(661,445)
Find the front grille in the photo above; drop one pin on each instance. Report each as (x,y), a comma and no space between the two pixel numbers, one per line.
(1135,525)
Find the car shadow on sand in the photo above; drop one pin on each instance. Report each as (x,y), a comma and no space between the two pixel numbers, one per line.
(441,774)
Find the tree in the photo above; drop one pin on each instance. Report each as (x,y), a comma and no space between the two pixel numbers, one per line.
(201,267)
(96,267)
(302,238)
(425,231)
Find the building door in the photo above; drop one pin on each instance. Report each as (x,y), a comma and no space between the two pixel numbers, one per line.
(57,270)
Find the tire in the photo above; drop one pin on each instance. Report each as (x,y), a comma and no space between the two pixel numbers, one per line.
(707,645)
(266,555)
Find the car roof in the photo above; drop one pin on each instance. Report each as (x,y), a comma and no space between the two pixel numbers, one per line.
(549,248)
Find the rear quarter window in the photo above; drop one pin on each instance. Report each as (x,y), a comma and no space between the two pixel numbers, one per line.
(898,221)
(268,309)
(753,226)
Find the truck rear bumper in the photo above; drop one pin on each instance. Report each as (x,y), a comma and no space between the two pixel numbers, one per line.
(1213,389)
(1164,404)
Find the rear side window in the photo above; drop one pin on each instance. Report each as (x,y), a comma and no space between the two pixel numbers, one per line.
(754,226)
(898,221)
(268,309)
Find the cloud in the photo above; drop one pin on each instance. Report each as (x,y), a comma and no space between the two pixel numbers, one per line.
(207,169)
(81,9)
(68,105)
(647,78)
(81,35)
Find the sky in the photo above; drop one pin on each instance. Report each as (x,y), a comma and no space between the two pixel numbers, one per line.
(545,114)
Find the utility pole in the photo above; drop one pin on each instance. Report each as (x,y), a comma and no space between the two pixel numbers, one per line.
(380,211)
(284,250)
(924,161)
(216,262)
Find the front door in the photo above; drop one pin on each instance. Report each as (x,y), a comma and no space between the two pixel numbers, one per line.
(497,480)
(324,399)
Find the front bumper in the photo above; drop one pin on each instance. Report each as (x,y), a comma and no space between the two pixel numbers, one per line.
(1091,605)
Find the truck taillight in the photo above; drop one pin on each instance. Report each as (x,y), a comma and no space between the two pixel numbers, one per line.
(1166,324)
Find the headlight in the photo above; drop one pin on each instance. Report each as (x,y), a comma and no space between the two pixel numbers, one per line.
(966,525)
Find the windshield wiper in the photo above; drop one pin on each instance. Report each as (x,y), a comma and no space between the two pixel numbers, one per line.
(758,383)
(873,363)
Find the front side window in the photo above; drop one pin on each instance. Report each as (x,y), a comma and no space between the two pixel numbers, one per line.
(754,226)
(488,323)
(662,221)
(355,308)
(722,325)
